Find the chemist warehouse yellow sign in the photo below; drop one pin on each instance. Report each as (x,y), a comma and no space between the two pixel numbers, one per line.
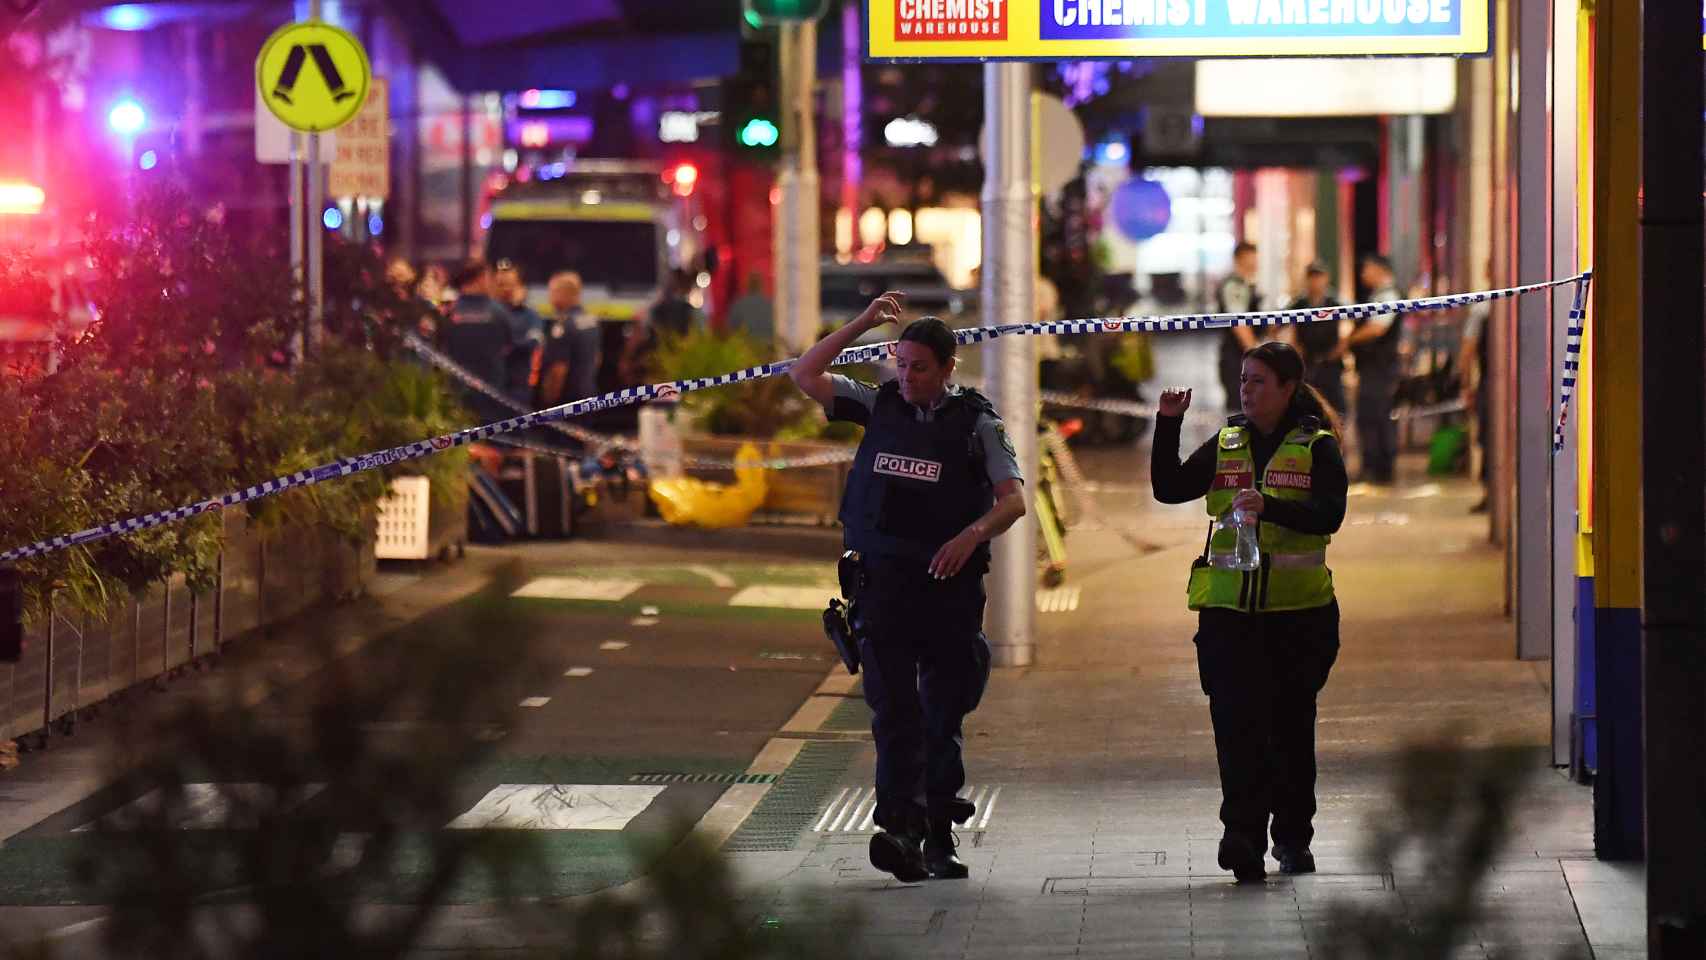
(1078,29)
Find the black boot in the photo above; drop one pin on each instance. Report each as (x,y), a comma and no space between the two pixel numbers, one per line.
(1294,860)
(1243,858)
(900,851)
(939,856)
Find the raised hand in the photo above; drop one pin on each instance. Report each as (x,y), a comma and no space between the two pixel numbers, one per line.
(1175,402)
(884,309)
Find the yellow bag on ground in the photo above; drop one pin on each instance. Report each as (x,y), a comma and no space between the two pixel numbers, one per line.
(689,501)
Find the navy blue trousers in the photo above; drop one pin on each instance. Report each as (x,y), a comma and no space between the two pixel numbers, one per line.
(925,662)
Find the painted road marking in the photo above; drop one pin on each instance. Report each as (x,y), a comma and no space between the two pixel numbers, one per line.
(854,809)
(535,701)
(558,806)
(643,622)
(577,672)
(648,611)
(1423,492)
(578,588)
(613,645)
(206,806)
(1059,599)
(717,577)
(791,598)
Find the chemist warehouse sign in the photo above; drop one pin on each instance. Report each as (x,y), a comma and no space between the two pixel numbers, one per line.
(1077,29)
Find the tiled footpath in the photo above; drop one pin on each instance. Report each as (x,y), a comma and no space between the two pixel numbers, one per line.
(1100,759)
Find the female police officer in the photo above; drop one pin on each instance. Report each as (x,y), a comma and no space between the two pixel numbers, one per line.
(934,480)
(1267,637)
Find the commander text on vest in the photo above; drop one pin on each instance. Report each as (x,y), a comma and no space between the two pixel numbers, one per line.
(934,480)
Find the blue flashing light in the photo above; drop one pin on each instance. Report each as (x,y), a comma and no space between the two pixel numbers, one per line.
(127,16)
(149,160)
(1112,152)
(547,99)
(333,218)
(127,117)
(375,224)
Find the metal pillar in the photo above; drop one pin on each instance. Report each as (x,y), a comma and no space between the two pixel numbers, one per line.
(1566,259)
(1009,295)
(1536,395)
(1500,328)
(1673,512)
(316,236)
(795,226)
(1404,136)
(297,202)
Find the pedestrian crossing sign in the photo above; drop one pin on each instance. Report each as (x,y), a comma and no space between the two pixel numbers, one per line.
(313,76)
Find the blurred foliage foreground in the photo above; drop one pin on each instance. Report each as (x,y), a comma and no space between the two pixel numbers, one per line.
(330,836)
(183,386)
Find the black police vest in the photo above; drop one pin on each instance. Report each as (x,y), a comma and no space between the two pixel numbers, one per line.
(1379,357)
(915,485)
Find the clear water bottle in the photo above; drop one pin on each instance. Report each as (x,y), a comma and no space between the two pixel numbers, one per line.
(1245,553)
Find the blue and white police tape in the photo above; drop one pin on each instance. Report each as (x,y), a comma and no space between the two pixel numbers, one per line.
(598,441)
(1572,359)
(672,391)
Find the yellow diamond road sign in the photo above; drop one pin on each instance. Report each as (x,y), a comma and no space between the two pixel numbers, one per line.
(313,76)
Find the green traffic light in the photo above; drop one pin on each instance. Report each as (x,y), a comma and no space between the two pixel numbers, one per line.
(759,132)
(773,11)
(752,19)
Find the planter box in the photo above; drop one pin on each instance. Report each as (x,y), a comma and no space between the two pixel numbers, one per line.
(72,661)
(412,525)
(797,494)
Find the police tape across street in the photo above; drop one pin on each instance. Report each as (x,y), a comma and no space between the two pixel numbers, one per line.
(866,354)
(600,442)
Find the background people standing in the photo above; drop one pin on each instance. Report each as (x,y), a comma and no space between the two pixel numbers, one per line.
(527,330)
(1374,344)
(568,363)
(477,333)
(1323,361)
(1237,294)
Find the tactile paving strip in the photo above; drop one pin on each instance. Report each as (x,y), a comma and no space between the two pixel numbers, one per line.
(796,799)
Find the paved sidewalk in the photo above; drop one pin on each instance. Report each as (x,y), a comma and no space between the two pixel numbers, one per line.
(1096,772)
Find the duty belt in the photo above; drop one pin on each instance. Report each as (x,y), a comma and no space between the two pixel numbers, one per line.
(1298,561)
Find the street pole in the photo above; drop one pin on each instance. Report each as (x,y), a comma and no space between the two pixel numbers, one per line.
(1009,290)
(296,204)
(1673,472)
(795,228)
(316,237)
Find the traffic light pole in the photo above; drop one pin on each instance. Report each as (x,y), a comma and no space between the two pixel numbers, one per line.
(795,231)
(1009,296)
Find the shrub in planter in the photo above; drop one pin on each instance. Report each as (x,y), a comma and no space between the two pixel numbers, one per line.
(176,393)
(770,408)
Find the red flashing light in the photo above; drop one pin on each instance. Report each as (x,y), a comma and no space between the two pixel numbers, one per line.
(25,199)
(682,179)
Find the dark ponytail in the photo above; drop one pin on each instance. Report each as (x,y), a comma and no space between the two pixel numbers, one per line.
(1306,401)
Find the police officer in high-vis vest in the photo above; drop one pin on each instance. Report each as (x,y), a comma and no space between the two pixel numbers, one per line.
(1267,636)
(934,480)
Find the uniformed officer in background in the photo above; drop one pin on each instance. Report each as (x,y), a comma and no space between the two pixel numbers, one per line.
(1267,637)
(935,479)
